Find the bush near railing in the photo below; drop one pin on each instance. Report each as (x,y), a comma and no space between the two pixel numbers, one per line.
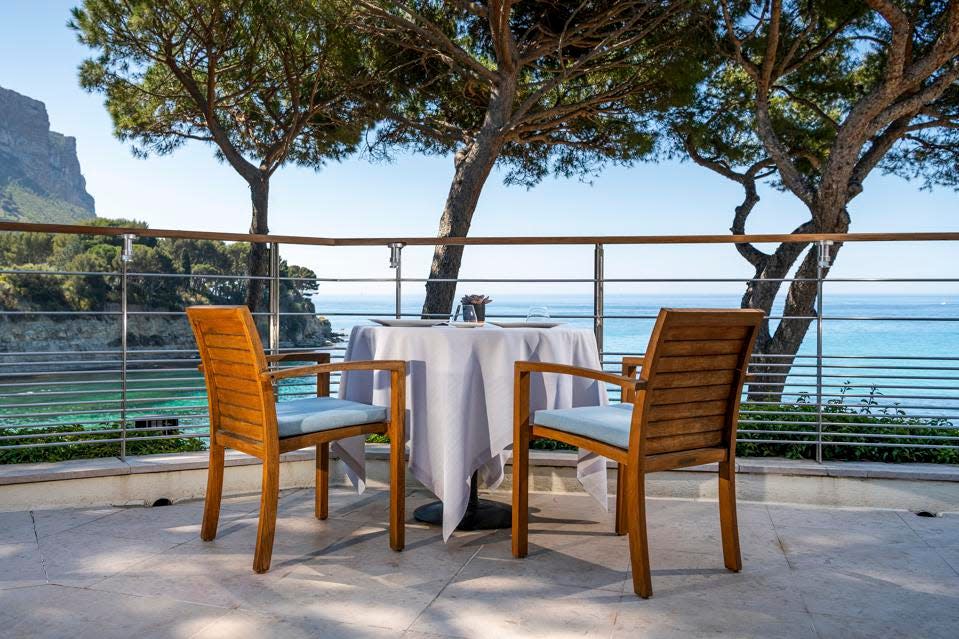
(136,445)
(870,417)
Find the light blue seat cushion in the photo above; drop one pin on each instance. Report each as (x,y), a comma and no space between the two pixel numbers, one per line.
(608,424)
(315,414)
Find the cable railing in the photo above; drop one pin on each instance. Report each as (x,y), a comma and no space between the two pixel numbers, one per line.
(817,403)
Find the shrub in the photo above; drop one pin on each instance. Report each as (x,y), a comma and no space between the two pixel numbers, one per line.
(871,422)
(136,444)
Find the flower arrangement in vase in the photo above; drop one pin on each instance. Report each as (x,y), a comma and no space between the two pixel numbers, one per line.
(478,302)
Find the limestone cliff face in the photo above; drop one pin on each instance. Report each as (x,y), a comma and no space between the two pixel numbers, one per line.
(40,178)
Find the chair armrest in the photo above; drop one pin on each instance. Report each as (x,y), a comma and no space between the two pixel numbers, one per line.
(394,366)
(630,365)
(299,356)
(601,376)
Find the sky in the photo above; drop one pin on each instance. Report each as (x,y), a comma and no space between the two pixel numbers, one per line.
(191,190)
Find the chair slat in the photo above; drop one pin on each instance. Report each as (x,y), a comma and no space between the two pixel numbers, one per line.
(680,333)
(234,342)
(685,458)
(685,425)
(695,363)
(691,379)
(239,398)
(700,348)
(675,443)
(239,385)
(239,413)
(691,409)
(686,395)
(253,432)
(230,355)
(243,372)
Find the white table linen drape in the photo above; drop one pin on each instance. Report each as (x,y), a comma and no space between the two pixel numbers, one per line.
(460,401)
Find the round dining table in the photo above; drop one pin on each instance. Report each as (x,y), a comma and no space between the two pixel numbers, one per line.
(460,401)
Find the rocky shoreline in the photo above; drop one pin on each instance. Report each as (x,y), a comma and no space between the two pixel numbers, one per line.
(88,333)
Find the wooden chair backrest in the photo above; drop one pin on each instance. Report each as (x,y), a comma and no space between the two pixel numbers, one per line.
(694,369)
(241,404)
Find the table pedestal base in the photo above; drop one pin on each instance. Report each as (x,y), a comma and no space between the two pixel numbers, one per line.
(481,514)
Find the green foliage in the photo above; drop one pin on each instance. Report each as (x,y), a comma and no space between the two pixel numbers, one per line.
(20,203)
(883,423)
(263,79)
(96,259)
(70,449)
(592,80)
(831,59)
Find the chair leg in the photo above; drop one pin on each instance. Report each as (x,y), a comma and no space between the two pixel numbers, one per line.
(267,524)
(638,540)
(520,499)
(621,526)
(397,488)
(727,516)
(214,491)
(322,508)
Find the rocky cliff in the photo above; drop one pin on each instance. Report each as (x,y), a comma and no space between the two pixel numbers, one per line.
(40,179)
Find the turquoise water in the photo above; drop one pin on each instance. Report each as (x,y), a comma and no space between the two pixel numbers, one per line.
(906,360)
(902,357)
(938,335)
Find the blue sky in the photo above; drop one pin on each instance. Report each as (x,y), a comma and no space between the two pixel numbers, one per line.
(191,190)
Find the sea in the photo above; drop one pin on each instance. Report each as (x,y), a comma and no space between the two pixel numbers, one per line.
(899,352)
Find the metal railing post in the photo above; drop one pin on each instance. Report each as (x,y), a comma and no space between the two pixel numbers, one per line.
(126,255)
(396,263)
(822,263)
(598,299)
(274,298)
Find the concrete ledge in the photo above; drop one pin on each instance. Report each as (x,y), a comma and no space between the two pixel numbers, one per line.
(113,466)
(143,480)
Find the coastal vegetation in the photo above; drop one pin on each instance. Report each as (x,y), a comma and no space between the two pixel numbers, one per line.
(194,272)
(812,98)
(535,88)
(265,82)
(59,443)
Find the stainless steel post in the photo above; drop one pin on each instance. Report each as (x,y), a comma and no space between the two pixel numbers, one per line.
(598,301)
(822,264)
(274,298)
(396,263)
(126,255)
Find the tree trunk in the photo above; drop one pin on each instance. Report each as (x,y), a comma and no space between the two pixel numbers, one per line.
(259,260)
(767,379)
(473,165)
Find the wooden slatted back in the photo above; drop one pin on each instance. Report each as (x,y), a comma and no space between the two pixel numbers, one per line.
(694,369)
(241,404)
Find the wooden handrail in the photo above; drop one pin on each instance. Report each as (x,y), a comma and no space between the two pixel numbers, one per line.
(79,229)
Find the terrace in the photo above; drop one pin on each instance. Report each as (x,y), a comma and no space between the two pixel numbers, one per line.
(809,572)
(830,547)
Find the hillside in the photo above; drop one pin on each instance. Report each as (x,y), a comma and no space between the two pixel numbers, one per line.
(40,178)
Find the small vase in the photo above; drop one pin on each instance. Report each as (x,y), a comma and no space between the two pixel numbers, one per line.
(480,312)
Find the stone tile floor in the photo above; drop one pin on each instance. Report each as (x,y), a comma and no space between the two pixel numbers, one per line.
(143,572)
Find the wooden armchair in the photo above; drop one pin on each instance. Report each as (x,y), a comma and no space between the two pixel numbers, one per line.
(681,411)
(244,415)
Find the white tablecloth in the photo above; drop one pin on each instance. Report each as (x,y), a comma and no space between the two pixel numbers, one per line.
(460,400)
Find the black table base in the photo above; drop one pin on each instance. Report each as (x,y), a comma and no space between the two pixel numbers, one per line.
(481,514)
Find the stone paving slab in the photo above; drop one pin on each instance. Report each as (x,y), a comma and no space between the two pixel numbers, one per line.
(144,573)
